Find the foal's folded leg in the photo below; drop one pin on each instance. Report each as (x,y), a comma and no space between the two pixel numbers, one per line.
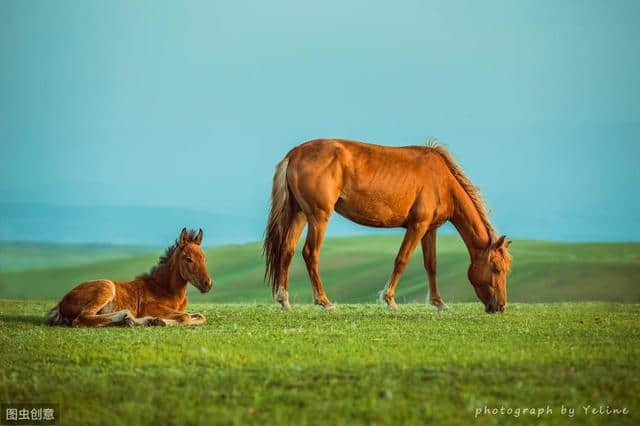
(119,318)
(86,300)
(182,319)
(172,317)
(151,322)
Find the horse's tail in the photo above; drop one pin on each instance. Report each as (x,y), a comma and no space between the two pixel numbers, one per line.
(54,317)
(283,207)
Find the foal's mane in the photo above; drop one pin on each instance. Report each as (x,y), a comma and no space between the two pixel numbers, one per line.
(472,191)
(164,259)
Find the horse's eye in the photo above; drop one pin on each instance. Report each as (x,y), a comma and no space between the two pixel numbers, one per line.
(188,259)
(495,269)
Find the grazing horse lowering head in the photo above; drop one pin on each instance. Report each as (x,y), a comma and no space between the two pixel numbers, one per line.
(191,261)
(488,274)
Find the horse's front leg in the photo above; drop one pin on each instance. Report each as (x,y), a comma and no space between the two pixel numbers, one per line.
(150,321)
(415,232)
(429,254)
(164,315)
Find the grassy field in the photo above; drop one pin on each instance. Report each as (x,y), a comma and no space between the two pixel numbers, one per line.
(254,364)
(354,270)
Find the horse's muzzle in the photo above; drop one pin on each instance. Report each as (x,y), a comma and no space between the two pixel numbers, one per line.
(205,286)
(494,306)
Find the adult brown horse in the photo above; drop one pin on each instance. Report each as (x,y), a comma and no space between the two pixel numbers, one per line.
(157,298)
(415,187)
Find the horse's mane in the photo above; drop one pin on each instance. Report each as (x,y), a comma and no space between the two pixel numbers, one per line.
(164,259)
(472,191)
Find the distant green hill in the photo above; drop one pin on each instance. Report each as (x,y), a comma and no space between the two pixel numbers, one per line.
(354,270)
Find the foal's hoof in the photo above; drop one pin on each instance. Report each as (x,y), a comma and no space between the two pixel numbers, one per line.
(439,304)
(392,306)
(156,322)
(127,321)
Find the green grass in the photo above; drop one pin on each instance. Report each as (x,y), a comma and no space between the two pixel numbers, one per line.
(354,270)
(254,364)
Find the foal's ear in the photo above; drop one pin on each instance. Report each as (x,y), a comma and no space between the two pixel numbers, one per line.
(198,239)
(184,236)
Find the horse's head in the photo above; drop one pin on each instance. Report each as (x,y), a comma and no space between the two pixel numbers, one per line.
(488,274)
(192,261)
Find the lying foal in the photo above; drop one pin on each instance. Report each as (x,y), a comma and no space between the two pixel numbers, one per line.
(157,298)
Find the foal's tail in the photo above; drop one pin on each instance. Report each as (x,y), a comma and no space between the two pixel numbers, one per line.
(282,211)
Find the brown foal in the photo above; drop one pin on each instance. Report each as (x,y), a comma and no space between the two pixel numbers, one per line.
(415,187)
(158,298)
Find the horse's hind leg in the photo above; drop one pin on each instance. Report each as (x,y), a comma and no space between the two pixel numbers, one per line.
(316,188)
(311,254)
(89,298)
(293,235)
(123,317)
(429,255)
(119,318)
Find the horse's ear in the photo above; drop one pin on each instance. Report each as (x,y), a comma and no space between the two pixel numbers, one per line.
(184,236)
(500,242)
(198,239)
(507,244)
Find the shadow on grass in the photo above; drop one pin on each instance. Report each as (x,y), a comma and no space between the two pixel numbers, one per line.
(23,319)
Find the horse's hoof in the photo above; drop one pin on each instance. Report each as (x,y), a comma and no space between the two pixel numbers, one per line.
(285,306)
(198,317)
(156,322)
(324,304)
(127,321)
(384,298)
(440,305)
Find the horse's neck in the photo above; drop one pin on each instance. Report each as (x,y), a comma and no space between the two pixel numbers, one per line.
(170,280)
(468,222)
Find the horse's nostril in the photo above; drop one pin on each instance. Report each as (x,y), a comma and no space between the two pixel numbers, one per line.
(205,285)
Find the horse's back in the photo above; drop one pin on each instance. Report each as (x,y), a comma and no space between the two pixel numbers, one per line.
(362,156)
(373,185)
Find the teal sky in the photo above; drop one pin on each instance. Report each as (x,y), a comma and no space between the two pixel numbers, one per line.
(191,104)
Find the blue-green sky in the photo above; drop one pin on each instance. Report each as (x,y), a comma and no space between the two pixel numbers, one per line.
(190,104)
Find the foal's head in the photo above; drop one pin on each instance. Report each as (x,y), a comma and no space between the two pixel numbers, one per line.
(488,274)
(191,261)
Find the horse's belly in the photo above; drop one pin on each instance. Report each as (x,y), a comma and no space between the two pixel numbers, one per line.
(371,212)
